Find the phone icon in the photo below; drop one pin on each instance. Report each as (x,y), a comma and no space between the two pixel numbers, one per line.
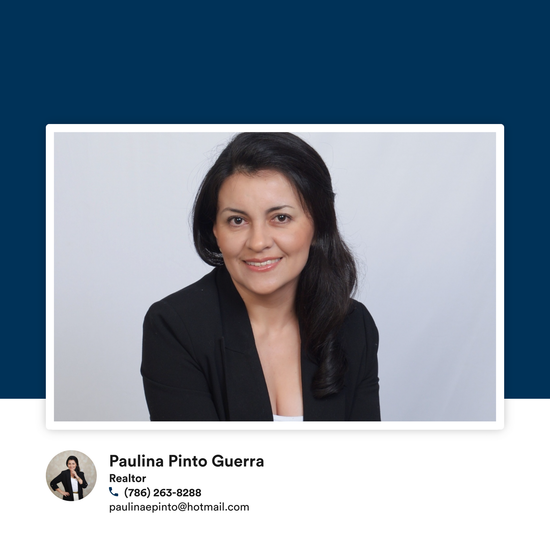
(111,491)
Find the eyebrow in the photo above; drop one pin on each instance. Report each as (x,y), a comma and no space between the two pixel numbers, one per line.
(268,211)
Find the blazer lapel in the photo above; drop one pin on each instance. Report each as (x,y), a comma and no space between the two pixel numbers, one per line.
(68,484)
(247,395)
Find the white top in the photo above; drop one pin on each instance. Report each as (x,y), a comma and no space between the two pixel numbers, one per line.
(278,418)
(74,483)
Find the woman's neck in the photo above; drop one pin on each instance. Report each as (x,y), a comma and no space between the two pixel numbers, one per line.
(270,313)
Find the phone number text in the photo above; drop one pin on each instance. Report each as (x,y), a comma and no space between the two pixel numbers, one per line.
(146,492)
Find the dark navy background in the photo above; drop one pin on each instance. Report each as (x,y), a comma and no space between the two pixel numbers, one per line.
(284,62)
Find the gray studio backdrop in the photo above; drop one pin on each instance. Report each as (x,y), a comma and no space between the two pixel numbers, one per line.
(418,209)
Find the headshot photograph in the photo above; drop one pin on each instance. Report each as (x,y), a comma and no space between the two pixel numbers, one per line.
(71,475)
(257,274)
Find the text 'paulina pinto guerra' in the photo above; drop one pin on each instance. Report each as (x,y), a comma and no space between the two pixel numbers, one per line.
(219,461)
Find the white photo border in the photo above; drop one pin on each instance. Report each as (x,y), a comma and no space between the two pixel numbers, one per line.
(496,129)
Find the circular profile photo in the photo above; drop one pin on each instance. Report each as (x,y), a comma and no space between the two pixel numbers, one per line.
(71,475)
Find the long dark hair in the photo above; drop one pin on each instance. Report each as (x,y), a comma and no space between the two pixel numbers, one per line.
(76,460)
(323,297)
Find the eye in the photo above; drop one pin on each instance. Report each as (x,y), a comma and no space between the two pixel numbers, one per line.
(282,218)
(236,220)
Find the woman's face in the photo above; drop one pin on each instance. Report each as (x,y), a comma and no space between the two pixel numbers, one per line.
(263,233)
(71,465)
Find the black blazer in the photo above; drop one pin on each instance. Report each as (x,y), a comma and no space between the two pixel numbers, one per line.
(200,360)
(65,478)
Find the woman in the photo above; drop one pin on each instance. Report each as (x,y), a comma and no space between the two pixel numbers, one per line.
(73,481)
(272,332)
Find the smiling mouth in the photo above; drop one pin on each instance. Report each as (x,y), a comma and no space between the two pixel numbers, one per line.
(263,264)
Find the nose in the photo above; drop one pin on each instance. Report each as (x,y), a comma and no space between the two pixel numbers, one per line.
(259,237)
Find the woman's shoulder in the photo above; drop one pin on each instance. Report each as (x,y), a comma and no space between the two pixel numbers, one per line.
(360,309)
(197,292)
(196,302)
(360,320)
(360,341)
